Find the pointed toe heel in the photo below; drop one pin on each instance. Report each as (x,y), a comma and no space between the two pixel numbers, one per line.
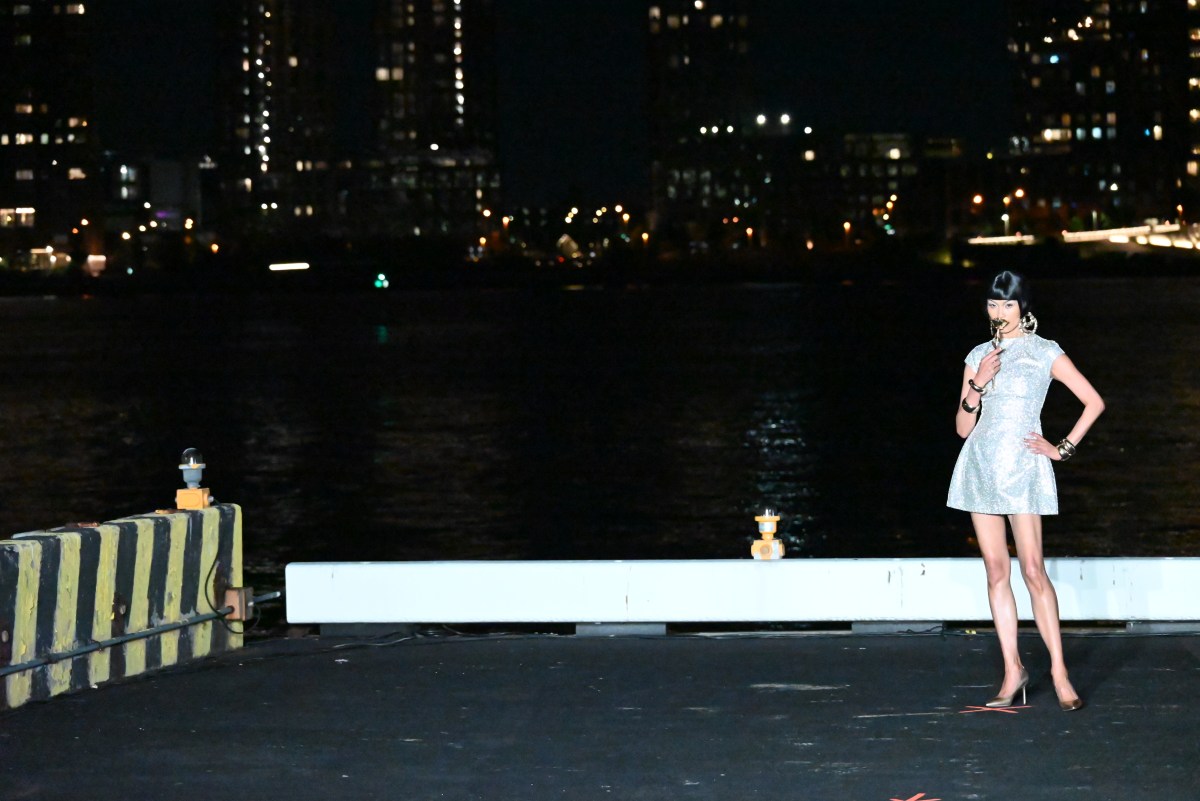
(1002,701)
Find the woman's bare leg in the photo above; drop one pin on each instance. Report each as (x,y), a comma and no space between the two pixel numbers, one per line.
(1027,531)
(993,544)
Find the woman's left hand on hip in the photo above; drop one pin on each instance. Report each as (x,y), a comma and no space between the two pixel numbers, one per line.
(1038,444)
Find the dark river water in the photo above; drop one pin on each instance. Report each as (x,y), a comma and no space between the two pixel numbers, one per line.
(591,424)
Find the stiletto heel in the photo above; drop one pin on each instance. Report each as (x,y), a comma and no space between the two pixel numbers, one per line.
(1001,701)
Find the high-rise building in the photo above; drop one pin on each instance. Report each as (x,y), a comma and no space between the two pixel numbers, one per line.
(50,196)
(1108,109)
(702,110)
(434,169)
(278,160)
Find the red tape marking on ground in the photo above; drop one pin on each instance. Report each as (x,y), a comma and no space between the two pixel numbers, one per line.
(1011,710)
(917,797)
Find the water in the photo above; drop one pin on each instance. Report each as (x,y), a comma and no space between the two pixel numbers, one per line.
(606,424)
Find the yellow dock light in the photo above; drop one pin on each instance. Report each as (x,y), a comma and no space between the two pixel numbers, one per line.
(767,547)
(193,496)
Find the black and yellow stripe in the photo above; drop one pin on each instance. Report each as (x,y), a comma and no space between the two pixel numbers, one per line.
(61,590)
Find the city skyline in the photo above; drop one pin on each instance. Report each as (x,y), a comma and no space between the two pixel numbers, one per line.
(571,80)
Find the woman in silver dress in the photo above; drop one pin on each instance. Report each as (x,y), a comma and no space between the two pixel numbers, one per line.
(1004,470)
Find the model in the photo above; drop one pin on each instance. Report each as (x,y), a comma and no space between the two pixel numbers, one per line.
(1005,470)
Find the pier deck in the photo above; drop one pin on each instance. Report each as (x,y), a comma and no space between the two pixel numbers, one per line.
(812,716)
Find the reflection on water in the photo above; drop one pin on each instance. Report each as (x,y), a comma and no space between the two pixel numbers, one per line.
(611,424)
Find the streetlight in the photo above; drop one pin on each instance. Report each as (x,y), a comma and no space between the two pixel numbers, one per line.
(846,232)
(1005,218)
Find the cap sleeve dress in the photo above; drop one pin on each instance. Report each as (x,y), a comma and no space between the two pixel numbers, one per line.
(995,473)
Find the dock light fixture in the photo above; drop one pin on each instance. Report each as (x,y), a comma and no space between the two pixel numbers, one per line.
(191,464)
(767,547)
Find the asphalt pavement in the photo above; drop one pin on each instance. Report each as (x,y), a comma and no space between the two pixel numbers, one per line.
(823,716)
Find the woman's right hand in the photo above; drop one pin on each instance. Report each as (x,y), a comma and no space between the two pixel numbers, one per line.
(988,367)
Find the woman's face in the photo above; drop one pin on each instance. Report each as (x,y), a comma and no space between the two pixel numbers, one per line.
(1007,310)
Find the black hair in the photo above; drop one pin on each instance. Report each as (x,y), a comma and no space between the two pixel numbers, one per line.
(1010,286)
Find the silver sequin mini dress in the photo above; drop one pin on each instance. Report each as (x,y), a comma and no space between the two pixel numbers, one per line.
(995,473)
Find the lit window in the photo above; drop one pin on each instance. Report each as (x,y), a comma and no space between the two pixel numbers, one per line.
(397,73)
(1158,133)
(23,138)
(381,73)
(24,108)
(655,12)
(76,174)
(1080,88)
(1110,87)
(717,21)
(1111,118)
(1097,133)
(24,175)
(3,139)
(673,21)
(810,155)
(20,9)
(1194,115)
(22,40)
(293,61)
(1193,168)
(75,8)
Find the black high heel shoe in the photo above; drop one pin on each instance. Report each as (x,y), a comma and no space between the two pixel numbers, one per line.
(1002,701)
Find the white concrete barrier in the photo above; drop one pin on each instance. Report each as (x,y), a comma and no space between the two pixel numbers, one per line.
(744,590)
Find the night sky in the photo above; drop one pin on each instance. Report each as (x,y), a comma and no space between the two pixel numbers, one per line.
(572,90)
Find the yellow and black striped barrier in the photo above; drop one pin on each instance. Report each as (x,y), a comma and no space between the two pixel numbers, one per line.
(70,588)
